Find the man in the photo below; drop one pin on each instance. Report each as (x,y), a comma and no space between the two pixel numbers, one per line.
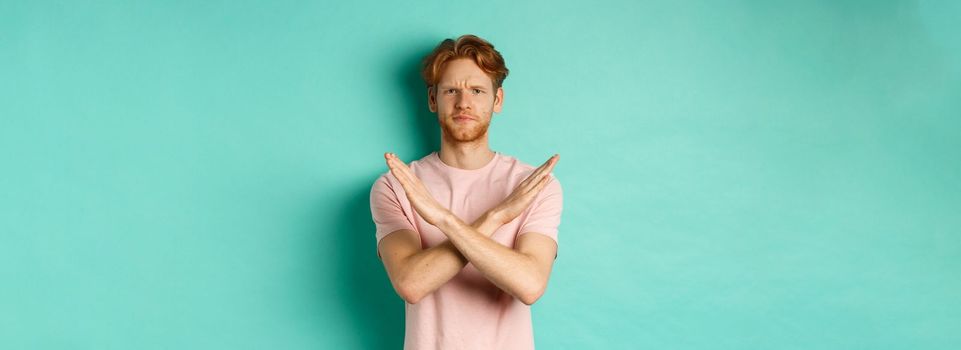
(468,236)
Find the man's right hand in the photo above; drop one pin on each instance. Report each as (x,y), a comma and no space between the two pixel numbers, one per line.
(524,194)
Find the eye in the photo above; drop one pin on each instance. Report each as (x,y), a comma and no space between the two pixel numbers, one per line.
(449,91)
(477,91)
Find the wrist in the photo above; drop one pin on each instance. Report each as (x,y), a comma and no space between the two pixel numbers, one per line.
(447,221)
(494,216)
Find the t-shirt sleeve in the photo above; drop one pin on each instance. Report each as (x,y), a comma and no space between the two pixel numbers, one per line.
(544,215)
(386,209)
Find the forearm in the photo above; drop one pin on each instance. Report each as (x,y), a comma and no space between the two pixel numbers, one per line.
(431,268)
(511,271)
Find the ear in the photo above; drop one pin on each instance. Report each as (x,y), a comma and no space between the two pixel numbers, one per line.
(498,100)
(431,99)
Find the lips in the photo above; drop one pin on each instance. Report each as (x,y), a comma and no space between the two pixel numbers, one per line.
(463,117)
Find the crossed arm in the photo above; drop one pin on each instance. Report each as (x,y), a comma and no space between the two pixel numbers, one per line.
(521,272)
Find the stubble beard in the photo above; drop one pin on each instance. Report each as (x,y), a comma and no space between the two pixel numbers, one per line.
(465,133)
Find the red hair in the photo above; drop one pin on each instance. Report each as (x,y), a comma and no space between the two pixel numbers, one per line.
(466,46)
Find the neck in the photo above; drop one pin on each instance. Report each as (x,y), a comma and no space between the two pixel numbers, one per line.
(465,155)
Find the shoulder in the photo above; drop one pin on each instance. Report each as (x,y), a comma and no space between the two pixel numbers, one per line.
(514,167)
(517,168)
(383,187)
(505,159)
(426,164)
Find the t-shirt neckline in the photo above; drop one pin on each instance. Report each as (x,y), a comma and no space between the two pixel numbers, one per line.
(436,156)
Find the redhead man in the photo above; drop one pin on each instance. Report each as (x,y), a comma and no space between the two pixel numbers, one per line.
(468,236)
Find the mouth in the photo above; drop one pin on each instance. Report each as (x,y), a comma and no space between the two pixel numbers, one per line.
(463,118)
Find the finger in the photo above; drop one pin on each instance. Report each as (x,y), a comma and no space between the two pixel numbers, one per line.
(401,165)
(541,183)
(406,173)
(528,196)
(392,164)
(546,167)
(536,173)
(396,164)
(399,170)
(545,172)
(407,179)
(540,171)
(399,176)
(549,165)
(544,181)
(389,158)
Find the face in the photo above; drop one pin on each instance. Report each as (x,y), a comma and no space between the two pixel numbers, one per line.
(464,100)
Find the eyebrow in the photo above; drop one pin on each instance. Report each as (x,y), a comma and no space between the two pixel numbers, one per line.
(442,86)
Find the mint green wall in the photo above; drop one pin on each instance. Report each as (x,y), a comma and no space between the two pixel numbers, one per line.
(746,175)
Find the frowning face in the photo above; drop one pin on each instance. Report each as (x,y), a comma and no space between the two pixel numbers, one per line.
(464,100)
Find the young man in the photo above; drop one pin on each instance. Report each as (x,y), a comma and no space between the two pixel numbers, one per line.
(468,236)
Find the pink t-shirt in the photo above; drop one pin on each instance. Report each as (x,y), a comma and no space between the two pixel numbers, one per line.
(467,312)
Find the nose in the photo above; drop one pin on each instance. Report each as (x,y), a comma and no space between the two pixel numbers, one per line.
(463,101)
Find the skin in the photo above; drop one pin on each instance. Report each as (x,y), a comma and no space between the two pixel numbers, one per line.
(465,100)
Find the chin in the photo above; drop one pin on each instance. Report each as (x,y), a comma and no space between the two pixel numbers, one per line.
(465,134)
(467,137)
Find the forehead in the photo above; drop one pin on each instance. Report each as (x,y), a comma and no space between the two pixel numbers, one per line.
(464,71)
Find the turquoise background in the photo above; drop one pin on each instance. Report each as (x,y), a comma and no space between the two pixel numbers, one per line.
(737,175)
